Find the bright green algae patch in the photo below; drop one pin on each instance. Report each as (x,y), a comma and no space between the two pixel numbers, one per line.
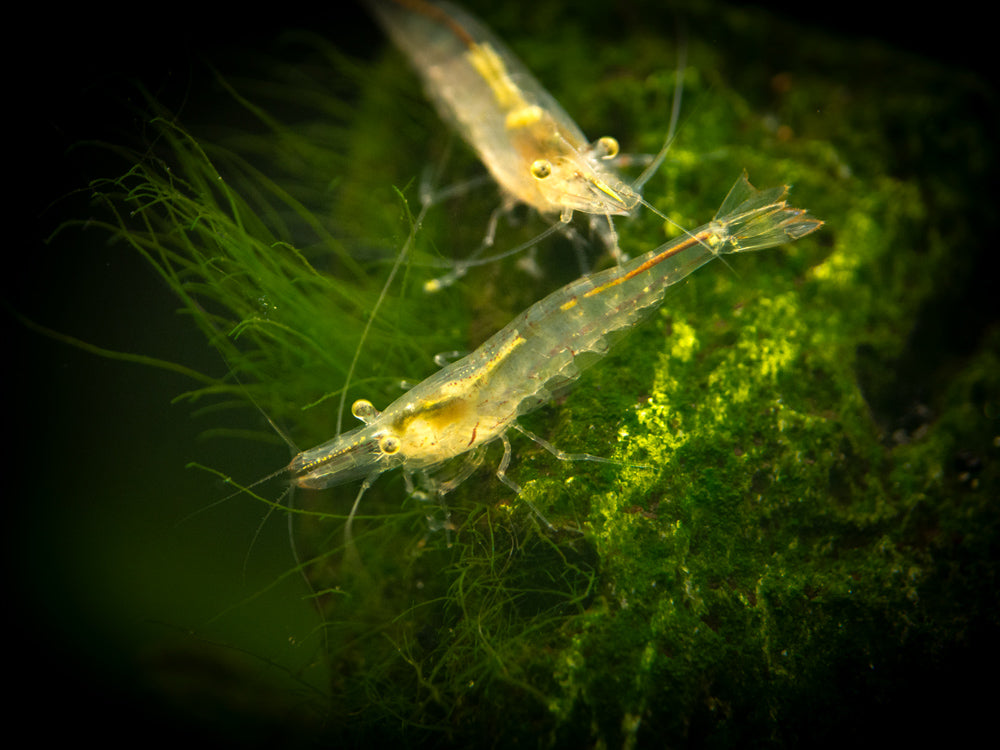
(806,502)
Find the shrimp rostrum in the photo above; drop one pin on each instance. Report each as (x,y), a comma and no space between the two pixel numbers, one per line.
(533,149)
(474,401)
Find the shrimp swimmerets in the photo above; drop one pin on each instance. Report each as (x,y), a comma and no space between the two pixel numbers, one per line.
(534,151)
(474,401)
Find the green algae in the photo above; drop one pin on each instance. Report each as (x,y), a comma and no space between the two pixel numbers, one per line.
(806,500)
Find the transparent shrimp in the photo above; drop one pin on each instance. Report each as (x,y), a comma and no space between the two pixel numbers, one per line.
(476,400)
(535,152)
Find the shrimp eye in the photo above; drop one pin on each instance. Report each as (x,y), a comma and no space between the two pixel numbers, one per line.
(363,410)
(541,168)
(609,147)
(389,444)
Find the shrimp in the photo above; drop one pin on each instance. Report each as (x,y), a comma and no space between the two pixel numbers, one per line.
(534,150)
(476,400)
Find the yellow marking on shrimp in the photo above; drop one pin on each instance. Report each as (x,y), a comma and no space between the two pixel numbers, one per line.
(488,64)
(438,428)
(524,117)
(504,352)
(520,113)
(458,388)
(708,237)
(433,415)
(606,189)
(420,420)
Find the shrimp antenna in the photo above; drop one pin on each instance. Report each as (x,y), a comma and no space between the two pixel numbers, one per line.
(415,227)
(675,112)
(242,489)
(350,549)
(289,491)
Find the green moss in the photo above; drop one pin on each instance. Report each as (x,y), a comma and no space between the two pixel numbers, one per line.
(803,502)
